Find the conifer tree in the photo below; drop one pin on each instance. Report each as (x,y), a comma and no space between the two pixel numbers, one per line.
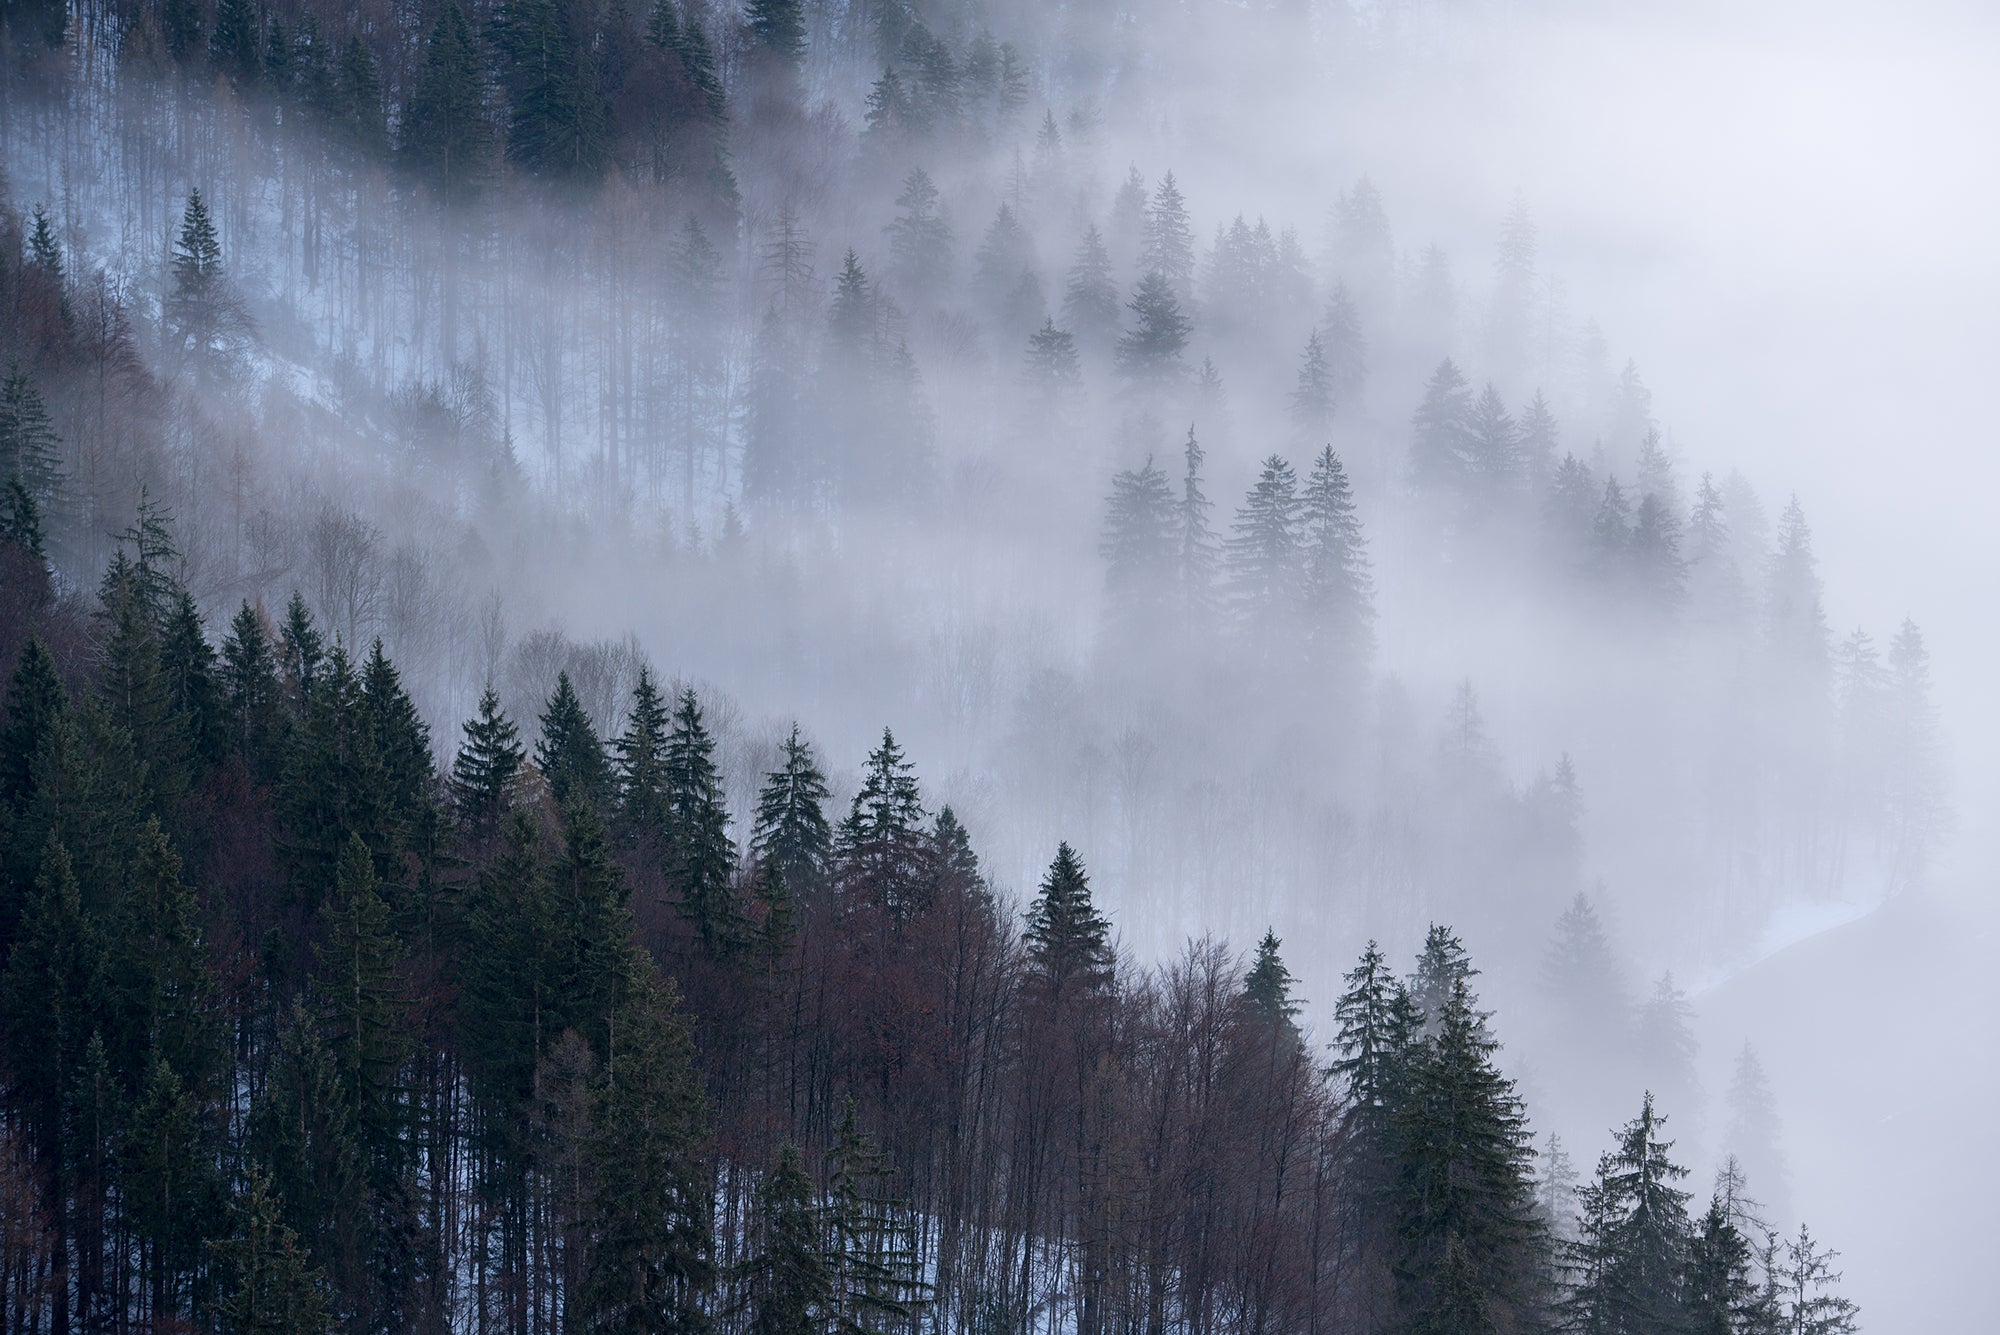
(172,1190)
(1196,551)
(1753,1135)
(1053,375)
(365,1026)
(1442,967)
(1539,439)
(920,237)
(872,1259)
(402,743)
(359,113)
(1807,1281)
(1068,940)
(703,866)
(644,813)
(1313,398)
(1262,552)
(1720,1293)
(1090,295)
(880,843)
(1493,453)
(301,650)
(787,1287)
(1796,615)
(557,111)
(161,988)
(194,693)
(37,704)
(253,695)
(333,785)
(1914,788)
(30,450)
(1464,1207)
(791,835)
(1581,982)
(1149,353)
(779,29)
(444,136)
(1630,1258)
(651,1258)
(482,775)
(1441,432)
(181,24)
(270,1286)
(235,44)
(569,754)
(1336,589)
(1169,239)
(1267,988)
(1140,549)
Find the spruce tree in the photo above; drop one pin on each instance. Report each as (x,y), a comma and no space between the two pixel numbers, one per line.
(1090,295)
(651,1259)
(1630,1258)
(270,1286)
(482,774)
(1267,988)
(1346,349)
(30,450)
(194,691)
(235,44)
(1719,1291)
(365,1025)
(1068,940)
(1139,547)
(1262,552)
(1149,354)
(253,695)
(1441,432)
(920,238)
(1336,589)
(644,815)
(402,743)
(569,754)
(703,865)
(161,989)
(785,1281)
(1169,239)
(873,1270)
(791,835)
(444,136)
(1313,400)
(779,29)
(879,846)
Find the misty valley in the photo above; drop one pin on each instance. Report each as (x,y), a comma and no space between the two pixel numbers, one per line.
(898,667)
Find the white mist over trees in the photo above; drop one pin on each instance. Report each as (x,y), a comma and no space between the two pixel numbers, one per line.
(1291,549)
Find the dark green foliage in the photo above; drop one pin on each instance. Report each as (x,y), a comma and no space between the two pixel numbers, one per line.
(1464,1221)
(702,867)
(1068,940)
(791,835)
(652,1254)
(644,814)
(1267,989)
(1720,1293)
(880,844)
(402,743)
(362,997)
(270,1287)
(558,118)
(301,650)
(786,1284)
(181,23)
(569,754)
(36,706)
(52,1001)
(444,136)
(871,1260)
(779,27)
(483,773)
(1090,296)
(360,115)
(236,43)
(194,688)
(333,786)
(30,451)
(1630,1258)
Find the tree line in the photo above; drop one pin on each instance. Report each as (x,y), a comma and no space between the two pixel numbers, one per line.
(307,1029)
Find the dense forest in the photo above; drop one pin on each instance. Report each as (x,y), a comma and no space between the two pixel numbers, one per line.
(446,446)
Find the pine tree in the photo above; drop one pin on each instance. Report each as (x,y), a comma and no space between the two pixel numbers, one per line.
(235,44)
(791,835)
(333,784)
(270,1285)
(1914,788)
(1267,988)
(779,28)
(1005,254)
(1654,549)
(1169,239)
(1493,454)
(1796,615)
(30,450)
(482,774)
(181,23)
(1540,437)
(651,1259)
(879,847)
(1139,549)
(1068,940)
(253,695)
(161,988)
(1719,1291)
(1149,354)
(1753,1136)
(1464,1205)
(1336,589)
(1313,401)
(1053,375)
(1346,349)
(1807,1282)
(444,135)
(1441,432)
(365,1025)
(644,814)
(1582,984)
(558,115)
(402,744)
(703,865)
(1196,551)
(1442,968)
(569,754)
(1090,296)
(1262,552)
(1630,1258)
(172,1189)
(1666,1047)
(872,1259)
(786,1284)
(360,114)
(199,314)
(301,650)
(920,237)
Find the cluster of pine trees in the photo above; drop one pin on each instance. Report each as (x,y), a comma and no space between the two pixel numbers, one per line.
(305,1029)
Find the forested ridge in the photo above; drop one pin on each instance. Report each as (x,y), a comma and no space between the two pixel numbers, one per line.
(304,1031)
(445,447)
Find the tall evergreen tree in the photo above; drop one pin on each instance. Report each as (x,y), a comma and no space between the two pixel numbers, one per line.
(785,1280)
(1069,941)
(1149,354)
(1313,399)
(444,136)
(880,843)
(1629,1261)
(703,864)
(645,814)
(1336,589)
(791,834)
(569,754)
(1441,432)
(1090,295)
(1262,552)
(1197,554)
(873,1267)
(1139,549)
(482,774)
